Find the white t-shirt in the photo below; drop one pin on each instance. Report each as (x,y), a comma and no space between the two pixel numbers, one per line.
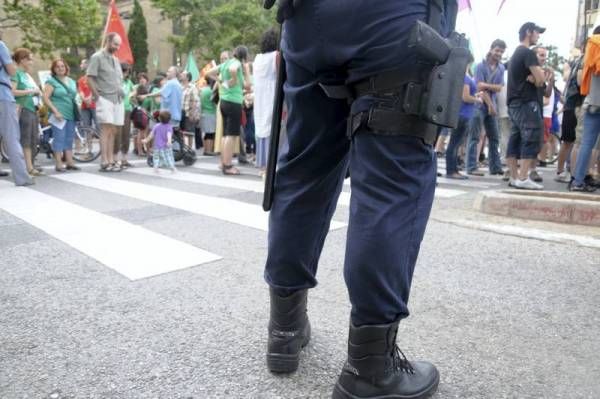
(550,107)
(265,80)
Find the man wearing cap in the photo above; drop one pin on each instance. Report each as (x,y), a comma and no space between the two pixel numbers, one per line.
(525,76)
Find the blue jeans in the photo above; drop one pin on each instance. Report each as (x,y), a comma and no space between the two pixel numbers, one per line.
(591,130)
(490,124)
(63,138)
(456,138)
(393,177)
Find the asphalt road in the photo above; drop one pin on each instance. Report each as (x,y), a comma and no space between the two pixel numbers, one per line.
(132,285)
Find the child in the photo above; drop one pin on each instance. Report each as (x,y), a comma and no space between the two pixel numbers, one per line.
(162,134)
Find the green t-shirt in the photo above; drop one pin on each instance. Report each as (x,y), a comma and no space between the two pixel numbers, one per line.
(127,90)
(62,99)
(208,107)
(233,94)
(150,104)
(24,83)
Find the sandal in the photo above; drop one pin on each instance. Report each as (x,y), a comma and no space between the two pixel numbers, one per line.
(73,167)
(230,170)
(104,167)
(126,164)
(114,168)
(60,170)
(34,172)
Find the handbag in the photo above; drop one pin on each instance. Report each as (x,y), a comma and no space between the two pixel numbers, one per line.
(76,113)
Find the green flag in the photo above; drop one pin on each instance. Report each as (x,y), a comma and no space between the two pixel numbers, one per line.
(192,68)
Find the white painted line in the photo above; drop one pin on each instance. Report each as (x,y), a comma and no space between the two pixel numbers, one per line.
(104,238)
(439,193)
(213,167)
(528,233)
(219,181)
(467,183)
(219,208)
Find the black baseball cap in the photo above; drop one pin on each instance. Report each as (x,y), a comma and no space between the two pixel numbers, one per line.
(532,27)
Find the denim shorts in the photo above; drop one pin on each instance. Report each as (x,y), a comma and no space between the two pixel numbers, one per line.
(63,138)
(527,132)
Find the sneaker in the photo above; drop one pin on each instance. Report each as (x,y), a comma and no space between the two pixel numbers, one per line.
(535,176)
(590,181)
(527,184)
(476,172)
(563,177)
(512,182)
(582,188)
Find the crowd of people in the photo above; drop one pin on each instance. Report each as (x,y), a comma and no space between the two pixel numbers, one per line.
(227,112)
(527,120)
(513,107)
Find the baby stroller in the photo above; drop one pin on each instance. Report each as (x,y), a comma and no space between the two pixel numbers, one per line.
(181,151)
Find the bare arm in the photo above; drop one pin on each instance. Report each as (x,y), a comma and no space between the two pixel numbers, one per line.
(11,69)
(538,76)
(579,77)
(93,86)
(489,87)
(468,98)
(48,90)
(21,93)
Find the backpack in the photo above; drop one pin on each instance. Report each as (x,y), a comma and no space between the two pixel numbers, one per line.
(139,118)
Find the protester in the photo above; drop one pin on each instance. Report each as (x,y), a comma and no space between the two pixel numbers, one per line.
(140,120)
(489,75)
(105,79)
(27,95)
(162,134)
(88,106)
(470,99)
(171,96)
(190,107)
(524,77)
(546,102)
(9,123)
(249,131)
(208,118)
(123,134)
(59,96)
(590,87)
(265,78)
(234,78)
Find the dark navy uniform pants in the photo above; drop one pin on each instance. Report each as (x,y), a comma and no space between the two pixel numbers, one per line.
(392,177)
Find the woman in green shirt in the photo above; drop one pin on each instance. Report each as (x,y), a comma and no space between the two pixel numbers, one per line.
(26,94)
(208,116)
(234,78)
(123,136)
(59,95)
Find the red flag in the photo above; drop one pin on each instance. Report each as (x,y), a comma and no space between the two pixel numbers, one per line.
(501,4)
(114,24)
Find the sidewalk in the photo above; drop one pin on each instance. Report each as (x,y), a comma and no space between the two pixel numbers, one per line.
(550,206)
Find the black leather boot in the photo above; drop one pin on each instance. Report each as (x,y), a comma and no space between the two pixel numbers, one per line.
(289,331)
(377,369)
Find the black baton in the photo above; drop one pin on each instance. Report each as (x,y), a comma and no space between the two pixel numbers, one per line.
(274,139)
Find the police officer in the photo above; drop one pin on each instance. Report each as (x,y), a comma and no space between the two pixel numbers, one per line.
(329,46)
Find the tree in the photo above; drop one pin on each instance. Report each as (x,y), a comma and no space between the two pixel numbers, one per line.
(53,25)
(555,60)
(138,38)
(210,26)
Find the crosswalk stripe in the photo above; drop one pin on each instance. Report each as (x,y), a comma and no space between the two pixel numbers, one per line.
(466,183)
(108,242)
(237,212)
(255,186)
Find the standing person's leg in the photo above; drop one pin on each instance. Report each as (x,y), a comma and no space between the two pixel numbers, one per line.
(105,137)
(28,126)
(69,138)
(471,164)
(569,125)
(307,184)
(493,135)
(456,137)
(513,146)
(591,129)
(125,138)
(117,141)
(58,146)
(9,129)
(532,134)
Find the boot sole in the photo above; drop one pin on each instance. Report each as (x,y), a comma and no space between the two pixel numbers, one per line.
(340,393)
(284,364)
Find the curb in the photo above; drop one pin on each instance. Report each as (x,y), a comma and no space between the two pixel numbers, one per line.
(549,206)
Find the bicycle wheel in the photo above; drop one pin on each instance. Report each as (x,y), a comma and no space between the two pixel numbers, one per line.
(87,144)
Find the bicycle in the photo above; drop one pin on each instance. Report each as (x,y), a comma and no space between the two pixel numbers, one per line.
(87,144)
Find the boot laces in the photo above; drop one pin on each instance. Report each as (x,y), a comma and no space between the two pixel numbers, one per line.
(400,362)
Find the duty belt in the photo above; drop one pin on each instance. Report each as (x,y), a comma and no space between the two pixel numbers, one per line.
(398,97)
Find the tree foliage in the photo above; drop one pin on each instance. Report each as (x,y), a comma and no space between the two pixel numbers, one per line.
(210,26)
(138,38)
(51,25)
